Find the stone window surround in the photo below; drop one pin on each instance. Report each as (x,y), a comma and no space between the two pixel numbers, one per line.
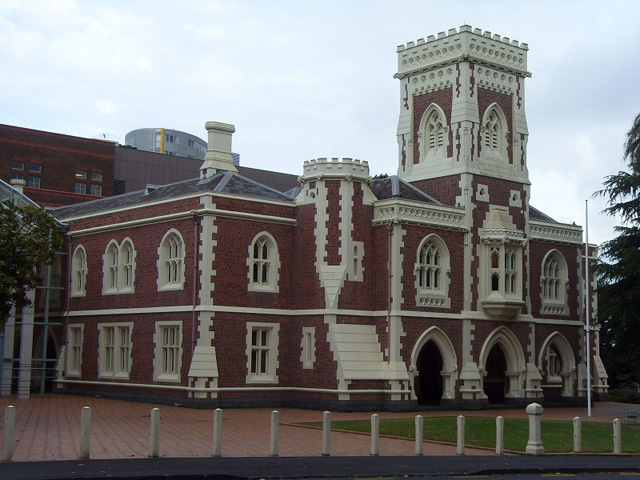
(79,272)
(119,347)
(166,280)
(161,350)
(272,348)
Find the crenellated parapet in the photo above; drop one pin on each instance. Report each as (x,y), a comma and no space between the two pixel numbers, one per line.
(466,44)
(334,168)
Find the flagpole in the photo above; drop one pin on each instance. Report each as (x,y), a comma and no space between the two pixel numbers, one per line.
(587,306)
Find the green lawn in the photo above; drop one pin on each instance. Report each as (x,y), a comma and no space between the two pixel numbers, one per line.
(557,436)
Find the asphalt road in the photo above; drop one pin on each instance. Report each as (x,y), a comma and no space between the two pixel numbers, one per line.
(321,467)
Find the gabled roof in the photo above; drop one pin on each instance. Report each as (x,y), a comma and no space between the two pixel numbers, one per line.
(395,187)
(224,182)
(535,214)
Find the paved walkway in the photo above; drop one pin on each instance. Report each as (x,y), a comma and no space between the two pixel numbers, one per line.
(48,428)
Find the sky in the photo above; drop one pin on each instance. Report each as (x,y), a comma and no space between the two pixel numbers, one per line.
(309,79)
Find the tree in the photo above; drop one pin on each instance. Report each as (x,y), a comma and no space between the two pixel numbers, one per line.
(28,239)
(618,270)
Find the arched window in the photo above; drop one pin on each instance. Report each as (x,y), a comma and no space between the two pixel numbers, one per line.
(119,267)
(171,261)
(127,258)
(79,272)
(433,133)
(494,131)
(432,269)
(111,266)
(553,284)
(264,263)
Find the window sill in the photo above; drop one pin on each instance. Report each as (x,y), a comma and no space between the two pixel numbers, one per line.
(261,379)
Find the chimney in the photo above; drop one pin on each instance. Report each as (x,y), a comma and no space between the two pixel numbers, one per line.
(218,156)
(18,184)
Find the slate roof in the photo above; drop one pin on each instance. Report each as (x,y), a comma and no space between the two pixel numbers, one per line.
(535,214)
(394,187)
(226,182)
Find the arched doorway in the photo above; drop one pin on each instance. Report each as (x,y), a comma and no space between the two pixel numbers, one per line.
(556,363)
(496,382)
(429,385)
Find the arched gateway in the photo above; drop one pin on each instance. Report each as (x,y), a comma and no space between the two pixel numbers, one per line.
(434,365)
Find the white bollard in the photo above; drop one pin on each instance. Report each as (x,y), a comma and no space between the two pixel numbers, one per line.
(534,445)
(460,445)
(275,431)
(577,435)
(154,444)
(499,435)
(326,433)
(375,434)
(85,433)
(9,432)
(217,432)
(419,434)
(617,437)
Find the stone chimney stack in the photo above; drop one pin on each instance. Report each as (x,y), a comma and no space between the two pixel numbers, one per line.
(18,184)
(218,156)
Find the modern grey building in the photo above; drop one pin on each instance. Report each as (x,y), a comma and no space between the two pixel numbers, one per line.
(169,142)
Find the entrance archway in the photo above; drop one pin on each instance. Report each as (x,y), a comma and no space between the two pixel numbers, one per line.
(496,380)
(504,365)
(557,363)
(429,387)
(434,365)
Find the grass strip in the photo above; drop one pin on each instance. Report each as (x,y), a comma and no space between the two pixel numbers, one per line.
(557,435)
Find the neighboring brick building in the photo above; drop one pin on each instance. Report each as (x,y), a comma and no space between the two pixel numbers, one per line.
(440,285)
(58,169)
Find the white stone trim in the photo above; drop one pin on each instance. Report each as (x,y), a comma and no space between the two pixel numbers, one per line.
(163,262)
(79,268)
(308,347)
(437,297)
(273,352)
(74,351)
(159,373)
(272,285)
(555,232)
(405,211)
(117,346)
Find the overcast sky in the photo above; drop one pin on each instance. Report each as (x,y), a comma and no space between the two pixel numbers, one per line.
(308,79)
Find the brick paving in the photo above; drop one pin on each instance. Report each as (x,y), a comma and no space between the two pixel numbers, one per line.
(48,428)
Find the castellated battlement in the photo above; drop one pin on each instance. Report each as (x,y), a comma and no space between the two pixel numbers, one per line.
(335,168)
(465,44)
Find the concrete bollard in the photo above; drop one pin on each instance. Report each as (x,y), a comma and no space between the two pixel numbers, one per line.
(499,435)
(617,437)
(217,432)
(326,433)
(577,435)
(9,432)
(419,434)
(375,434)
(534,445)
(85,433)
(154,443)
(275,432)
(460,445)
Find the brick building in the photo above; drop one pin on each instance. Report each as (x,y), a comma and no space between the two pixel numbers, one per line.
(438,285)
(58,169)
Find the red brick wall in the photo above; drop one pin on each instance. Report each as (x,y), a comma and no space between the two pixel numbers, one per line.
(59,156)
